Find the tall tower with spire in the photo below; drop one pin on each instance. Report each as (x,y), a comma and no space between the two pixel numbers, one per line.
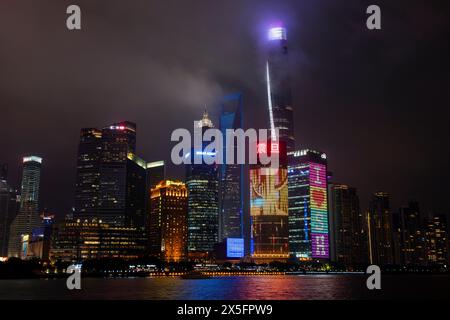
(203,201)
(278,87)
(205,122)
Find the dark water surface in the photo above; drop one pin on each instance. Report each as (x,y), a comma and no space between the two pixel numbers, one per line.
(290,287)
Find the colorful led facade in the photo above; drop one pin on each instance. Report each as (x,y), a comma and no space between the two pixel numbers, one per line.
(235,247)
(269,209)
(269,213)
(308,205)
(319,210)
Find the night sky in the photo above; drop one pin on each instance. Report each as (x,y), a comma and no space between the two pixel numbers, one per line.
(375,101)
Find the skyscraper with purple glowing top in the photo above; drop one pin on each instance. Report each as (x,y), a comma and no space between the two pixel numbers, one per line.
(278,87)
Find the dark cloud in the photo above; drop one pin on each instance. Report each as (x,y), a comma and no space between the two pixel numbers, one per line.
(376,102)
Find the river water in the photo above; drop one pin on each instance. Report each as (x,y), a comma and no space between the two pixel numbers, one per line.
(290,287)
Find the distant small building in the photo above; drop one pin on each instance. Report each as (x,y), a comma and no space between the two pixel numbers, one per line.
(436,235)
(39,241)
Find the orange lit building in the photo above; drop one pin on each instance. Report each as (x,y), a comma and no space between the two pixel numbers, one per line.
(168,221)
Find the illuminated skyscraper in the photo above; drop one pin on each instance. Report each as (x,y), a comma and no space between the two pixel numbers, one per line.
(28,216)
(88,173)
(135,192)
(269,206)
(118,140)
(348,238)
(380,230)
(408,236)
(231,176)
(8,211)
(203,207)
(111,179)
(308,205)
(168,221)
(278,87)
(436,235)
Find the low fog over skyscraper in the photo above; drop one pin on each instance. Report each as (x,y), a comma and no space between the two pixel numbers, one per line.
(279,87)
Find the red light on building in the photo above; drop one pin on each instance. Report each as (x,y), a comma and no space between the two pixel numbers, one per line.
(275,148)
(261,148)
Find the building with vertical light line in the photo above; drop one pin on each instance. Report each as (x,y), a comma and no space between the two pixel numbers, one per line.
(278,87)
(231,176)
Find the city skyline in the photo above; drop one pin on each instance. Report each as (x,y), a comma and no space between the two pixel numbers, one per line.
(318,231)
(361,155)
(224,157)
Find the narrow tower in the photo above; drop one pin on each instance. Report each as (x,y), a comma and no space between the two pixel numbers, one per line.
(28,217)
(278,88)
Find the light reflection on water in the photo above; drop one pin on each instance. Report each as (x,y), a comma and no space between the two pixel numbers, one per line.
(229,288)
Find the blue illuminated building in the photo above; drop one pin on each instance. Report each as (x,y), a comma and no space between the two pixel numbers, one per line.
(203,202)
(308,212)
(231,176)
(235,247)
